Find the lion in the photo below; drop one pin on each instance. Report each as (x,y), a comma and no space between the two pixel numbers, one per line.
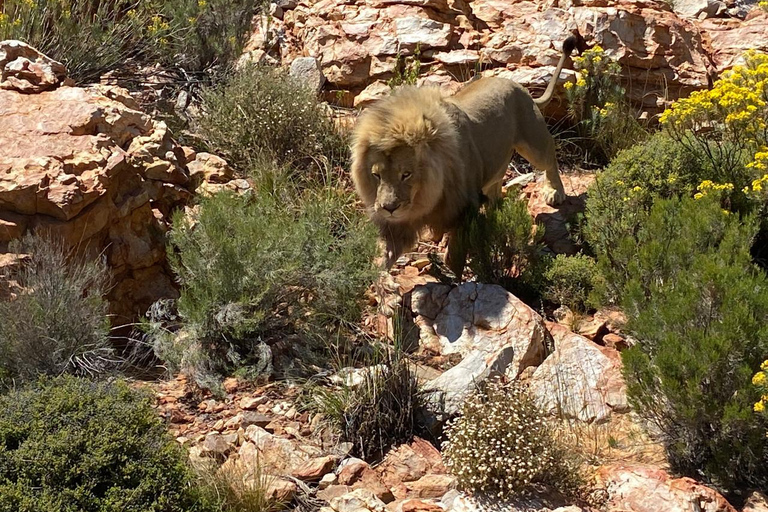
(423,160)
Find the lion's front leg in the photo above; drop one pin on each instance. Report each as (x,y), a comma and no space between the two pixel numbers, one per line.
(397,238)
(554,192)
(456,254)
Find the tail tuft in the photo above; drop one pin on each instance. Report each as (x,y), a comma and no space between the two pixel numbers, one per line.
(569,44)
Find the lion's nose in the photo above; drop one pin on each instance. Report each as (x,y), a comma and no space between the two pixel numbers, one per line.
(391,207)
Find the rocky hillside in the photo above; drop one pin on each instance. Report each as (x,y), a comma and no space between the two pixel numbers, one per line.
(666,49)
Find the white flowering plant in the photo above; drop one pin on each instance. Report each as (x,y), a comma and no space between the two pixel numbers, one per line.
(501,445)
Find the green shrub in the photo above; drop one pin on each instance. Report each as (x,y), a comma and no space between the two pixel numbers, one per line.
(94,36)
(570,280)
(623,193)
(205,33)
(501,445)
(70,444)
(699,307)
(504,248)
(261,113)
(597,103)
(265,264)
(58,323)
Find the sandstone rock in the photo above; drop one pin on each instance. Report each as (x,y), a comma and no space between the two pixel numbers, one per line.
(308,71)
(252,402)
(209,168)
(418,505)
(24,69)
(555,220)
(350,470)
(255,418)
(230,384)
(580,379)
(699,9)
(358,500)
(431,486)
(281,490)
(494,331)
(410,462)
(637,488)
(413,30)
(88,167)
(757,502)
(215,445)
(333,491)
(327,480)
(615,342)
(314,469)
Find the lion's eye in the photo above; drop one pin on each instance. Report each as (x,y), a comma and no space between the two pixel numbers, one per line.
(376,175)
(406,175)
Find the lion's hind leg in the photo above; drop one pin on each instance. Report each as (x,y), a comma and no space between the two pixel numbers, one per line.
(539,150)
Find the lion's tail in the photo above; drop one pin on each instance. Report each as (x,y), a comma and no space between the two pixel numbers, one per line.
(568,46)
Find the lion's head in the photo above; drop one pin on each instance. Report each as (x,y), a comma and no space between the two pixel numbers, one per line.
(401,152)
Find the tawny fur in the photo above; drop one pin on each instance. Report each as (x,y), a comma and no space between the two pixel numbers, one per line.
(422,160)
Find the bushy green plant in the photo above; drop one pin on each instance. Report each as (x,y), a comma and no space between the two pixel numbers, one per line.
(93,37)
(570,280)
(699,307)
(504,248)
(501,445)
(58,323)
(205,33)
(70,444)
(262,113)
(597,103)
(622,194)
(250,266)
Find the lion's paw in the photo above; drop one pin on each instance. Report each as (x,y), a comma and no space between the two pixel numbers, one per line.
(553,196)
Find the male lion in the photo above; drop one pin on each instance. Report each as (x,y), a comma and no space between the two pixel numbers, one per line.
(420,159)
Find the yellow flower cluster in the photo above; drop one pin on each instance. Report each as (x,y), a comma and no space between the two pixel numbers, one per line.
(763,4)
(739,98)
(760,161)
(761,381)
(158,25)
(707,185)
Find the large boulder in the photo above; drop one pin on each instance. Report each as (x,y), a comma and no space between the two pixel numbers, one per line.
(493,331)
(580,379)
(86,165)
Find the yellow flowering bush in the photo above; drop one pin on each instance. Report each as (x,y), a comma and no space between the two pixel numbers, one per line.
(727,127)
(597,105)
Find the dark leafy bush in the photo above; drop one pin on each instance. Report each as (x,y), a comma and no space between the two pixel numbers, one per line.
(58,323)
(261,113)
(501,445)
(570,281)
(699,307)
(254,266)
(73,445)
(504,248)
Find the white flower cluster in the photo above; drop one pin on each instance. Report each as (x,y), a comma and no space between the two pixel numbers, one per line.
(500,444)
